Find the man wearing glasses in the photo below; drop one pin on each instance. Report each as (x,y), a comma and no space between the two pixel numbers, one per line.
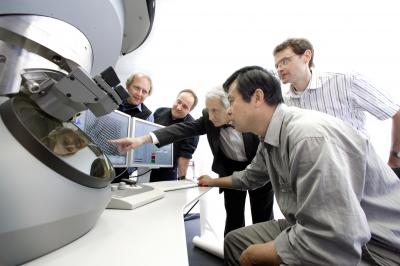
(346,96)
(139,87)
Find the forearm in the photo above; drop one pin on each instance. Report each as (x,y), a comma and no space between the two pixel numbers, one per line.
(179,131)
(395,145)
(225,182)
(127,144)
(145,139)
(260,254)
(183,164)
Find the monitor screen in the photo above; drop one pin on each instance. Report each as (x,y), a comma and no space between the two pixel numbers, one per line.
(149,155)
(114,125)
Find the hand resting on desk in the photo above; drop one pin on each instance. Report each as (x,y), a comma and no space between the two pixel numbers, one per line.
(204,181)
(207,181)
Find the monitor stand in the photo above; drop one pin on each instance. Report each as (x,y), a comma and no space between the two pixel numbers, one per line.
(129,197)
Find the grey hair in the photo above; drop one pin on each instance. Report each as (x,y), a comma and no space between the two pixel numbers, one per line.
(219,93)
(132,77)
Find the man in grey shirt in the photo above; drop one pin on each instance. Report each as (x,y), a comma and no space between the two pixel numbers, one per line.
(340,200)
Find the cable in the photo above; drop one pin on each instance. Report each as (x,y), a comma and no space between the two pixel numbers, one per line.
(129,181)
(126,169)
(137,176)
(141,173)
(187,213)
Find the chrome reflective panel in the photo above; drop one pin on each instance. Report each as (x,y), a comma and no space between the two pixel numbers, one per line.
(64,140)
(28,41)
(53,178)
(13,61)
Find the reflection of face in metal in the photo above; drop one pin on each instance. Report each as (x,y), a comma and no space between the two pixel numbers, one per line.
(64,141)
(59,141)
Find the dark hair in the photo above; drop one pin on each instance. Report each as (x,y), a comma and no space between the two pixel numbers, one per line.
(250,78)
(194,97)
(299,46)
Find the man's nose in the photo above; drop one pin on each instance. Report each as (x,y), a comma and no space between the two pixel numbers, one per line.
(229,111)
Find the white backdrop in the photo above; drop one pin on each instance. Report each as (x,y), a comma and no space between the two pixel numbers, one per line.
(197,44)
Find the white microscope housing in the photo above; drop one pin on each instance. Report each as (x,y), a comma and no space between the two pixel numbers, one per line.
(54,182)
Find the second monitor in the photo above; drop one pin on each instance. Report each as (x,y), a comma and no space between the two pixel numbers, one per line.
(149,155)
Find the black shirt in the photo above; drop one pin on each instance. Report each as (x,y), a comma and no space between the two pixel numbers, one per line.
(184,148)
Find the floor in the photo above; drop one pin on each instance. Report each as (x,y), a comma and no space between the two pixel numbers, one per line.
(198,257)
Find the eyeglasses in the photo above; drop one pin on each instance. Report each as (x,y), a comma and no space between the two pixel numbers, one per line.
(284,61)
(139,89)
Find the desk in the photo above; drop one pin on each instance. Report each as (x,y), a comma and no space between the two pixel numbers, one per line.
(153,234)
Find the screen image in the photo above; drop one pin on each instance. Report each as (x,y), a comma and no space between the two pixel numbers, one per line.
(114,125)
(149,155)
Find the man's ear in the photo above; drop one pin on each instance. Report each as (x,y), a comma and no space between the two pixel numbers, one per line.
(307,56)
(258,97)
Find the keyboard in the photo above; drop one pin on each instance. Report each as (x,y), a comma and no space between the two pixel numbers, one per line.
(174,185)
(131,197)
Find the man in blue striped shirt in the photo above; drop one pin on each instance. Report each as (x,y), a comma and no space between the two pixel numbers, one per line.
(346,96)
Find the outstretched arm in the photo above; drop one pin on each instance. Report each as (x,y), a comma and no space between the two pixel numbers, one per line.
(126,144)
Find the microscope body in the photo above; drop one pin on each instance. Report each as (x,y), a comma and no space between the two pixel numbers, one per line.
(54,182)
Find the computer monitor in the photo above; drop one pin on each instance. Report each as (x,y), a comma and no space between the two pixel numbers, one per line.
(117,125)
(114,125)
(149,155)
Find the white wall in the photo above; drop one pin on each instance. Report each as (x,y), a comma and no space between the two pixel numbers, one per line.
(198,43)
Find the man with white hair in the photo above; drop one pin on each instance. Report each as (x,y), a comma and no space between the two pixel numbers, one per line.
(232,151)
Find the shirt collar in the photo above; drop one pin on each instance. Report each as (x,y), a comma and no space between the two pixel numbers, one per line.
(314,83)
(127,106)
(178,120)
(274,127)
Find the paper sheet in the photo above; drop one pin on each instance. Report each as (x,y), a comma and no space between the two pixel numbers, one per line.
(211,246)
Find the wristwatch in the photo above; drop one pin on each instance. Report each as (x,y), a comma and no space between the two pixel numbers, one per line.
(395,154)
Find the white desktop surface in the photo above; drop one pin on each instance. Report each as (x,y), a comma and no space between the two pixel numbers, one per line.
(153,234)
